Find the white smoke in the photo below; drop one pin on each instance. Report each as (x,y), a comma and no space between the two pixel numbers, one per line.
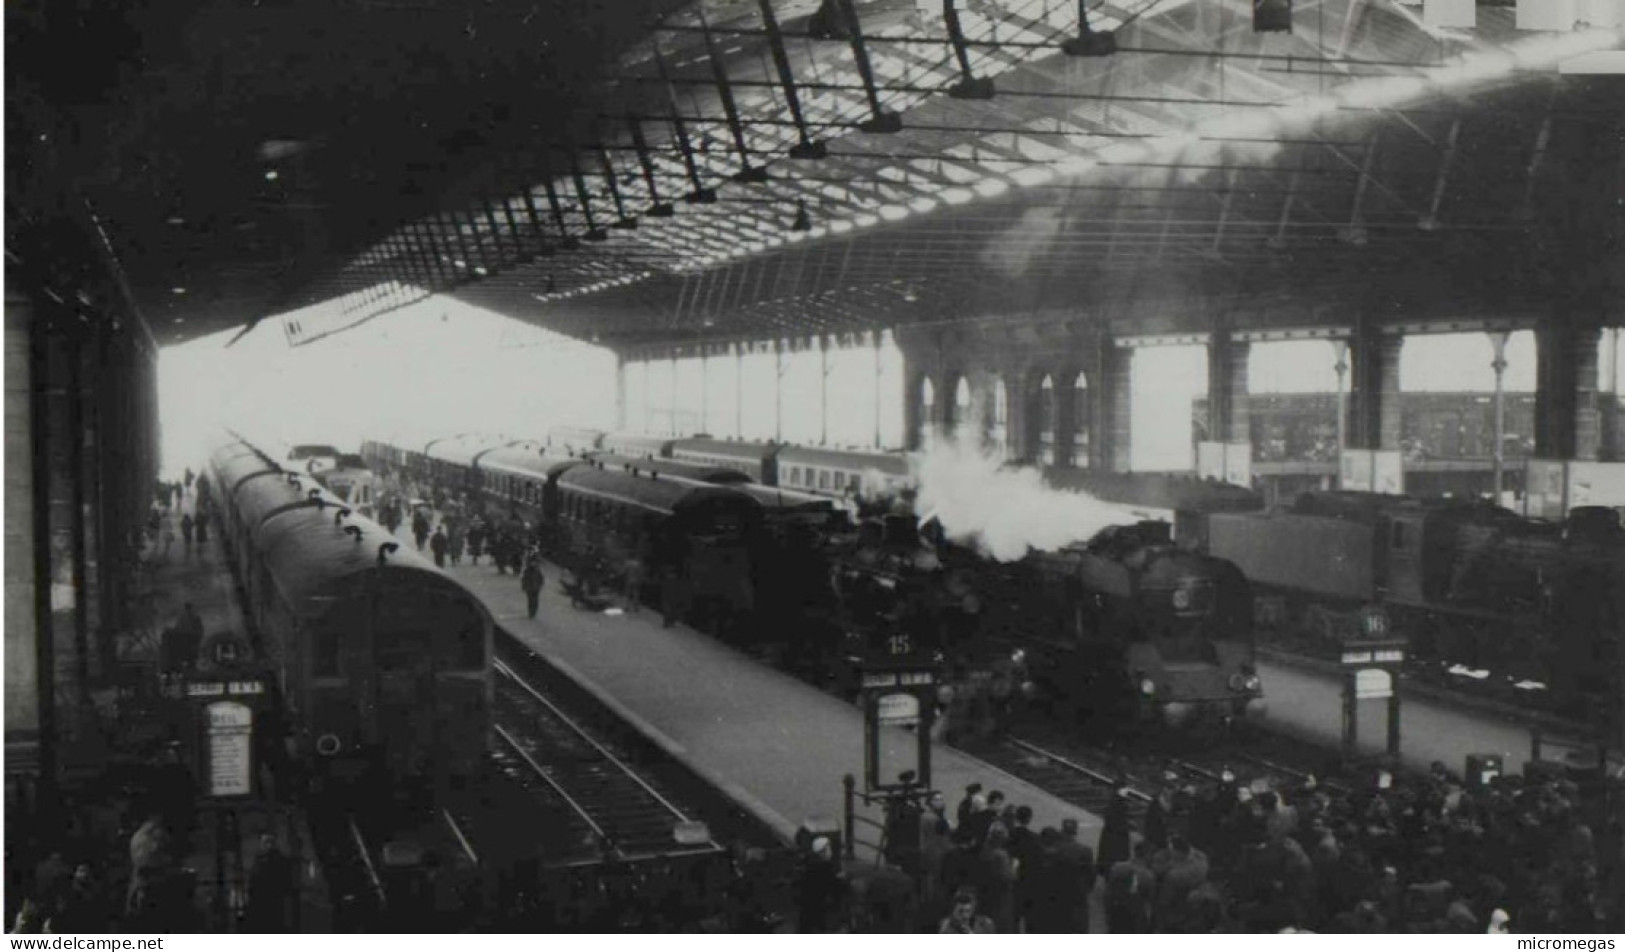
(1004,512)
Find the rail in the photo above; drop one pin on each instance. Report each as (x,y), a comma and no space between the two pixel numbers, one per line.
(457,831)
(1081,770)
(503,668)
(547,778)
(366,863)
(627,815)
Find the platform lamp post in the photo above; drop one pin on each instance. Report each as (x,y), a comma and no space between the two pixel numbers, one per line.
(1498,341)
(1341,349)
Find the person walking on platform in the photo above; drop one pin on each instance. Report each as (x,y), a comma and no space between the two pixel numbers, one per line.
(186,532)
(420,528)
(531,580)
(632,584)
(202,523)
(437,545)
(454,544)
(476,538)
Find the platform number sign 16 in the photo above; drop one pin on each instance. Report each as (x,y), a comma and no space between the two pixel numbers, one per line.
(1374,623)
(899,645)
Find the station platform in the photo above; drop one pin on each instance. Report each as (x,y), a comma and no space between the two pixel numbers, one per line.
(122,760)
(778,746)
(1307,703)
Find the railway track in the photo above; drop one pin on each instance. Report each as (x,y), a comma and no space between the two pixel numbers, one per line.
(611,809)
(1075,776)
(1087,776)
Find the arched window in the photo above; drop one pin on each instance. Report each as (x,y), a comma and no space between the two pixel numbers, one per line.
(1044,413)
(961,421)
(928,414)
(1080,421)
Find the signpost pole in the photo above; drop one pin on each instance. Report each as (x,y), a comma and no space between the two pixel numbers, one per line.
(1393,724)
(1351,716)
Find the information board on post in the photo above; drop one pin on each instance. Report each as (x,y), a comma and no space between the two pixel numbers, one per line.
(897,700)
(229,748)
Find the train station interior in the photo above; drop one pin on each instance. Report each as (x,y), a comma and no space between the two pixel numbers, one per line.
(1149,466)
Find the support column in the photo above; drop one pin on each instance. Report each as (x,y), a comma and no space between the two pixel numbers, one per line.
(739,391)
(1375,421)
(823,390)
(1567,424)
(671,407)
(778,391)
(879,393)
(647,399)
(1066,423)
(1016,446)
(27,661)
(1498,344)
(1229,416)
(705,389)
(1112,442)
(620,391)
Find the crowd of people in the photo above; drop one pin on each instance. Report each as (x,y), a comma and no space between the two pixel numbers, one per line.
(1409,854)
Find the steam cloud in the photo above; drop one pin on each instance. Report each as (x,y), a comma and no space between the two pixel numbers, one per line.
(1005,512)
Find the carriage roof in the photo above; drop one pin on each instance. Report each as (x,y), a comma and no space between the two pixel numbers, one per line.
(890,464)
(699,472)
(523,459)
(747,450)
(312,560)
(634,444)
(665,495)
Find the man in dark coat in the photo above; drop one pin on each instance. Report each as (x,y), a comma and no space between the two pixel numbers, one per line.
(967,805)
(1076,870)
(438,544)
(1114,834)
(420,528)
(531,580)
(1028,854)
(271,889)
(819,889)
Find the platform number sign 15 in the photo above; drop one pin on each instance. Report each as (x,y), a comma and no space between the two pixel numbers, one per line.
(899,645)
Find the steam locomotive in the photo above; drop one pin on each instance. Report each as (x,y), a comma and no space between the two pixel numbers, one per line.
(1467,583)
